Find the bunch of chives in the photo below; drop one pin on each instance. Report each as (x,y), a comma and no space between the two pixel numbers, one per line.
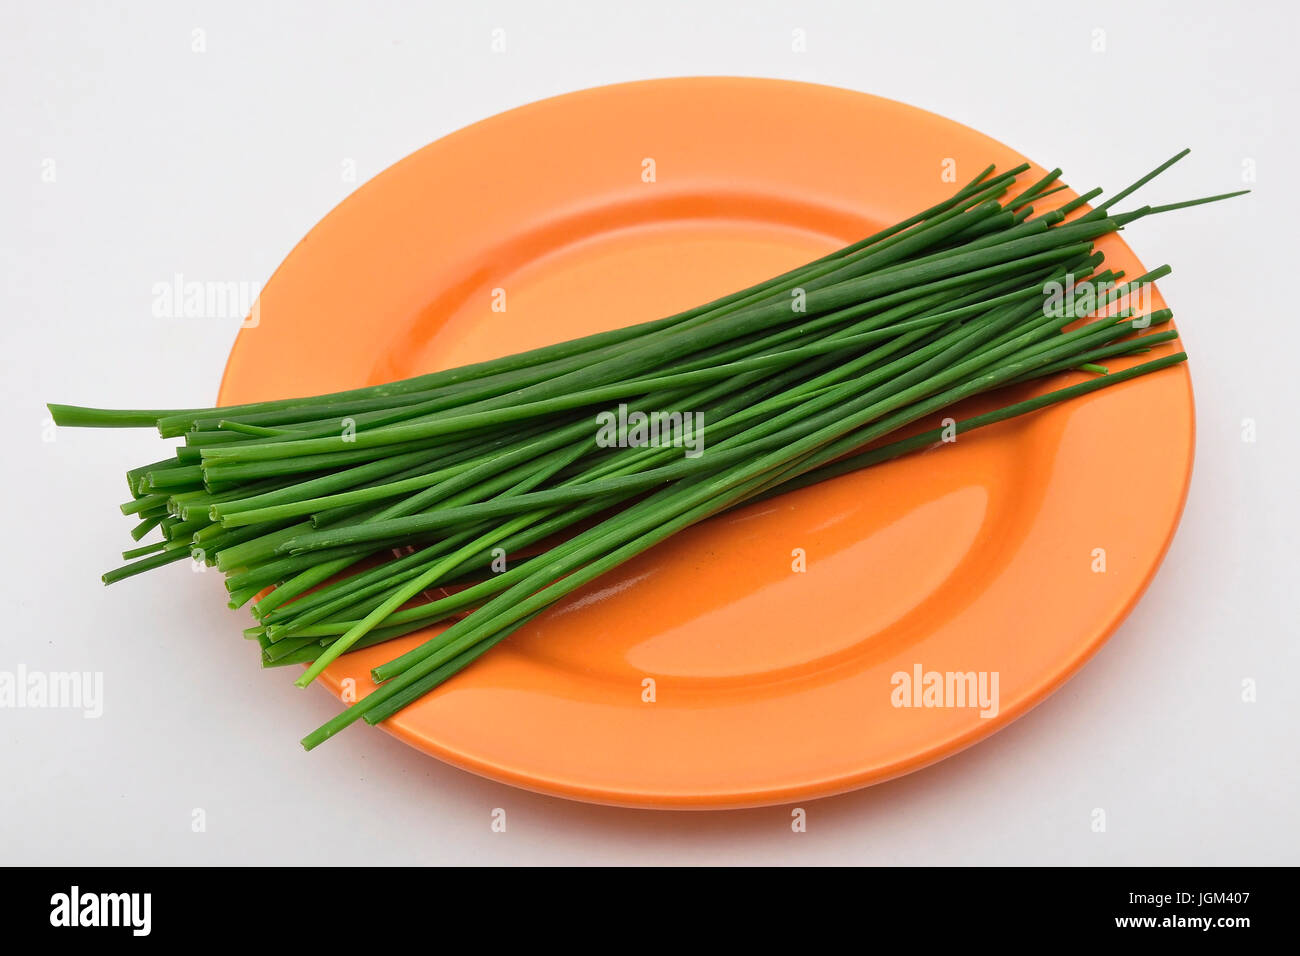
(359,516)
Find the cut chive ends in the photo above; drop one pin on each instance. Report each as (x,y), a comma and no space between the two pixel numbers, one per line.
(80,417)
(479,496)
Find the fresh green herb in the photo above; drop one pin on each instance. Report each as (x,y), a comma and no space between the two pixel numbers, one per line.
(358,531)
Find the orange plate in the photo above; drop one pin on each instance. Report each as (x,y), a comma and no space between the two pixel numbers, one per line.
(770,685)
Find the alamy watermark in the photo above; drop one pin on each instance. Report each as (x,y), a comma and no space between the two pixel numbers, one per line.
(53,690)
(1078,299)
(75,908)
(922,688)
(633,429)
(183,298)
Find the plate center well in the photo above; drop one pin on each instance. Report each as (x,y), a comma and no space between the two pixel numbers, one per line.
(781,562)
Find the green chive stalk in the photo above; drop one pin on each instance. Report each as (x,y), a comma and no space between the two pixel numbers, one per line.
(346,538)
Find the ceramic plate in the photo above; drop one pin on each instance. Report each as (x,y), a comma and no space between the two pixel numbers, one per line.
(771,683)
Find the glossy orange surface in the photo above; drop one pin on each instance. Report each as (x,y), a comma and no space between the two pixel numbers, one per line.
(770,684)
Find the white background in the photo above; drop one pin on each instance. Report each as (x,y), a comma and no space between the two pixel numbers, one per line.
(214,164)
